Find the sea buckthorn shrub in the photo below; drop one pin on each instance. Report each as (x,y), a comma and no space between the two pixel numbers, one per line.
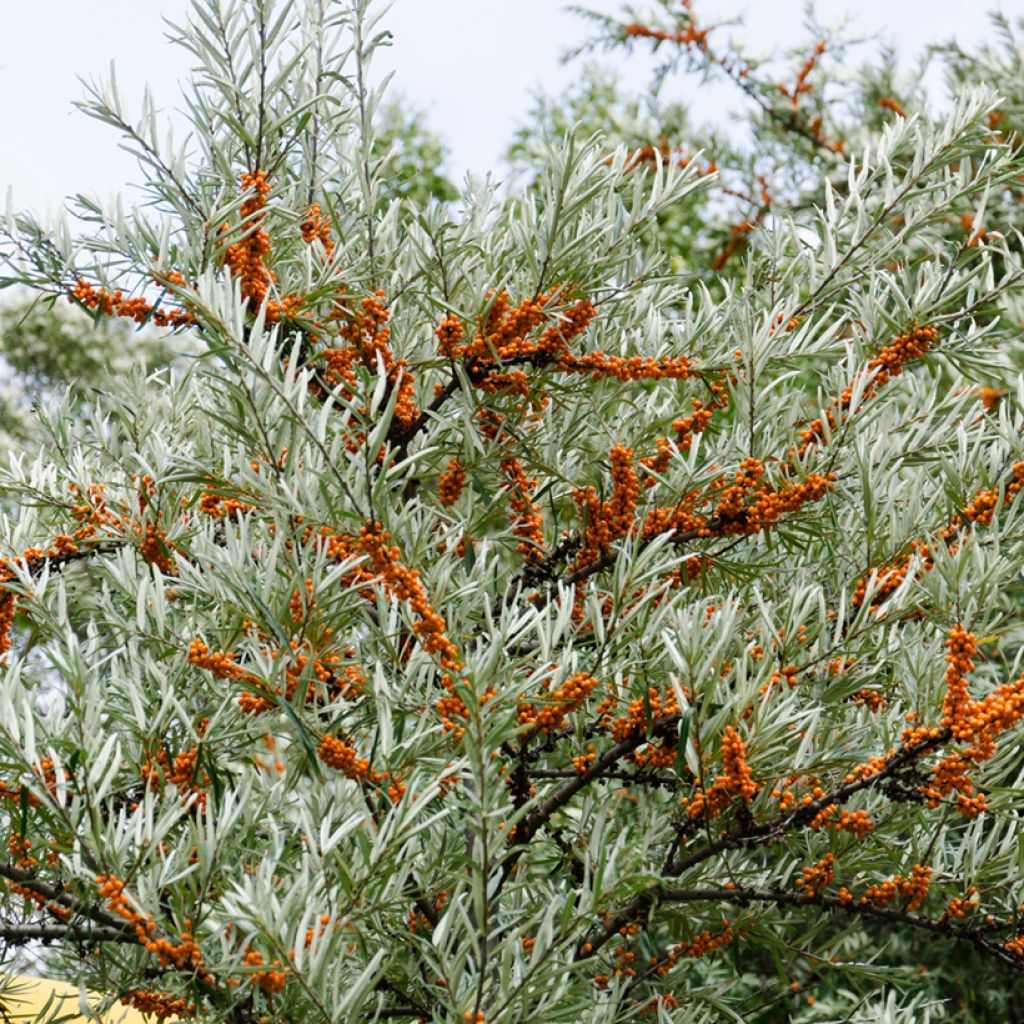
(493,625)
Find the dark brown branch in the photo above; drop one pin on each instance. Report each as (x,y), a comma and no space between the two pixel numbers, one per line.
(949,928)
(52,932)
(421,421)
(57,562)
(536,819)
(638,777)
(57,894)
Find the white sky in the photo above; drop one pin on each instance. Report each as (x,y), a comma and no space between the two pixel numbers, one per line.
(471,64)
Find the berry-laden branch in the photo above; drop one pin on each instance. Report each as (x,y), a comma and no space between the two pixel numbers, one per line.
(973,724)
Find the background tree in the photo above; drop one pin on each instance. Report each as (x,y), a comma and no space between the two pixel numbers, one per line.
(495,625)
(49,348)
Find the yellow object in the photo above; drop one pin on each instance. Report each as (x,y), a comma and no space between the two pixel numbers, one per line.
(24,998)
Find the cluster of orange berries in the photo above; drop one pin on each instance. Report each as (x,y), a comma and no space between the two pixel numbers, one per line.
(31,559)
(158,1004)
(449,333)
(823,817)
(701,945)
(736,782)
(976,723)
(788,674)
(659,462)
(157,550)
(889,363)
(961,646)
(301,603)
(325,669)
(858,823)
(459,548)
(548,718)
(737,777)
(873,766)
(245,259)
(602,366)
(688,37)
(787,798)
(138,309)
(890,579)
(770,506)
(686,426)
(638,713)
(320,929)
(220,664)
(516,382)
(451,709)
(270,981)
(907,347)
(414,921)
(315,227)
(183,955)
(666,1001)
(343,758)
(527,522)
(608,521)
(404,584)
(451,483)
(734,515)
(368,335)
(959,907)
(31,897)
(624,959)
(802,85)
(182,774)
(8,609)
(19,847)
(873,700)
(504,330)
(625,491)
(651,757)
(504,335)
(731,503)
(913,889)
(648,156)
(978,511)
(893,104)
(817,876)
(219,507)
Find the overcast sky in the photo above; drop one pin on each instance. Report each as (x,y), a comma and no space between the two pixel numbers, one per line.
(470,64)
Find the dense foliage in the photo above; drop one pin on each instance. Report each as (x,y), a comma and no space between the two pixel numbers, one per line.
(492,622)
